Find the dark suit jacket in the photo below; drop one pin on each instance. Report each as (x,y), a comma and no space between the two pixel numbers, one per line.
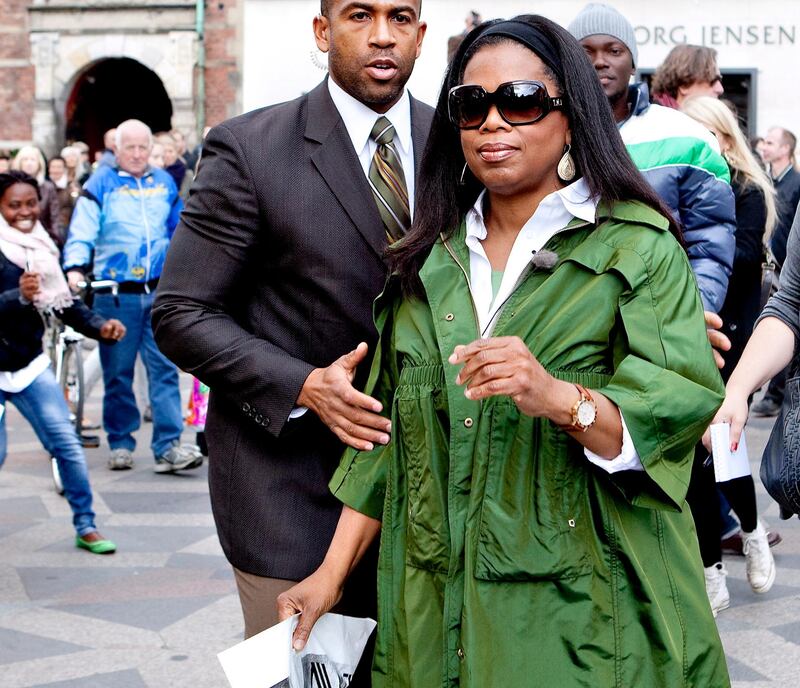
(271,273)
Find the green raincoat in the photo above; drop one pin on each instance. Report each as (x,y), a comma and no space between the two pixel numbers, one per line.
(507,558)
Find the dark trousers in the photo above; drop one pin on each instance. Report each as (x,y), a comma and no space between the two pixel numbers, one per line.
(703,499)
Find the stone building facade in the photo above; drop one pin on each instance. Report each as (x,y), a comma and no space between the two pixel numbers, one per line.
(53,51)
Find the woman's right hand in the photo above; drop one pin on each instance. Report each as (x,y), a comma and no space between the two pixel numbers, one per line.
(29,285)
(311,598)
(734,410)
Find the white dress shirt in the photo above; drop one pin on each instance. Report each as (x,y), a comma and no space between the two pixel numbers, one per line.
(359,120)
(555,212)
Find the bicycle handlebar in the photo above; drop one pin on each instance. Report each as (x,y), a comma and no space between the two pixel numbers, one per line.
(97,285)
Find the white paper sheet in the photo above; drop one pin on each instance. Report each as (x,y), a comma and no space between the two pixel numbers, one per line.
(267,660)
(727,464)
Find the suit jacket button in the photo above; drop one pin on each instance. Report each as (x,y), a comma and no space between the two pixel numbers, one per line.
(266,422)
(259,418)
(246,407)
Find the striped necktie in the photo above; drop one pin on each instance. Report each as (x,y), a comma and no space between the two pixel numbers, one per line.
(387,181)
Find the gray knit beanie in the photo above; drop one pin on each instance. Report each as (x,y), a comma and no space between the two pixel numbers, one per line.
(597,18)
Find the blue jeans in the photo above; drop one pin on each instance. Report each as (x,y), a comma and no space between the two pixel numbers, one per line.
(120,414)
(43,406)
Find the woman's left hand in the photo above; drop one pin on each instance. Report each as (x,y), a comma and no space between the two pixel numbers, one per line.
(112,329)
(504,366)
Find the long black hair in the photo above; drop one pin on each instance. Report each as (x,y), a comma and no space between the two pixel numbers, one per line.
(444,195)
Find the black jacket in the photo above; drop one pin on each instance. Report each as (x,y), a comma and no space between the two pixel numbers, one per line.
(787,187)
(272,273)
(21,326)
(741,306)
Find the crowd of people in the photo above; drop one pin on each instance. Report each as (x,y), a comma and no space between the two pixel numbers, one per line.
(566,270)
(61,216)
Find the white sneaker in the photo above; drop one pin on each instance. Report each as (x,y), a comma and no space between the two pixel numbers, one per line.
(716,588)
(760,563)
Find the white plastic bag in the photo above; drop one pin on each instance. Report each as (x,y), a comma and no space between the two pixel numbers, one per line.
(328,660)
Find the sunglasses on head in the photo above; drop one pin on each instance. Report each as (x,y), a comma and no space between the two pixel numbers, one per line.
(517,102)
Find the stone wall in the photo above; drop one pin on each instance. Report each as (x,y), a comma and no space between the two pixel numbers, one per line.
(16,75)
(46,44)
(223,59)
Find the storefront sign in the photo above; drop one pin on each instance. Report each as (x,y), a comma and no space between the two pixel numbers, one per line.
(717,35)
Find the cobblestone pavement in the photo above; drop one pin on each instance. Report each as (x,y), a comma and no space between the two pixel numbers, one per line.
(155,614)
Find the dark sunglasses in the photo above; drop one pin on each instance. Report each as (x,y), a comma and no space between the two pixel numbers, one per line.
(518,102)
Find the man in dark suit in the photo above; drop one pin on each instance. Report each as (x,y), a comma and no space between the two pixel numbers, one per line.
(267,294)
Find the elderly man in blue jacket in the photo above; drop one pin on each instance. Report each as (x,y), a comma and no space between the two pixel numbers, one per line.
(120,230)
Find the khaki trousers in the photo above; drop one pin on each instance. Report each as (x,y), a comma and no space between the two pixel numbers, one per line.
(258,597)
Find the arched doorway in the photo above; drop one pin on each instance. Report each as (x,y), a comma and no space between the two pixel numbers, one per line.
(111,91)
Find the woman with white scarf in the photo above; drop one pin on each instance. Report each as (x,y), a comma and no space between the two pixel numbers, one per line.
(31,281)
(30,160)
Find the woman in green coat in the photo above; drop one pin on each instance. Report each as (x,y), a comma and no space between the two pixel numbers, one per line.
(544,358)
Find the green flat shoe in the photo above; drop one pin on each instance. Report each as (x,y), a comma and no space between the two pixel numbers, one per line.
(96,547)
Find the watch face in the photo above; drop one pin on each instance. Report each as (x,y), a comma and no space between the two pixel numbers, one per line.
(586,413)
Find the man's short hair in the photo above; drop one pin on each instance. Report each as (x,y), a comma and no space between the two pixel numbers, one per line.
(685,65)
(123,128)
(787,139)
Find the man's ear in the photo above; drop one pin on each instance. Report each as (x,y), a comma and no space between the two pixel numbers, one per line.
(322,32)
(421,29)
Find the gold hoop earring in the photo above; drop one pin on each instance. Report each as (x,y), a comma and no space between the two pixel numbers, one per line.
(566,166)
(461,181)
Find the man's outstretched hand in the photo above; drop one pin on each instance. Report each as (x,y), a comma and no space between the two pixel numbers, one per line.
(352,416)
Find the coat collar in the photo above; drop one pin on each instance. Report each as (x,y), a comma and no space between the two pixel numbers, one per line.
(622,211)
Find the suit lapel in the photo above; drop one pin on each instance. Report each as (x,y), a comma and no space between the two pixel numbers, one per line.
(421,118)
(339,166)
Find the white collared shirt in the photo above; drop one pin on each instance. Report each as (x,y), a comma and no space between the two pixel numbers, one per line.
(359,119)
(555,212)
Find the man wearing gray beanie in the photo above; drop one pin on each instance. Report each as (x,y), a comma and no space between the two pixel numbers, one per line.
(679,157)
(681,160)
(602,29)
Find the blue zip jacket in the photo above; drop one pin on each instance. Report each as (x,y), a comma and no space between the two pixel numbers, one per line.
(126,222)
(680,159)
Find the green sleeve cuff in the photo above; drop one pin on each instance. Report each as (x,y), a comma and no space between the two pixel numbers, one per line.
(360,480)
(666,415)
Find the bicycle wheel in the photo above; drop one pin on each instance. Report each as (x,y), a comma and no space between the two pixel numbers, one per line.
(72,382)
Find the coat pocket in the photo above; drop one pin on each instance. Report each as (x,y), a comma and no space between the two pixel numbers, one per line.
(423,458)
(532,520)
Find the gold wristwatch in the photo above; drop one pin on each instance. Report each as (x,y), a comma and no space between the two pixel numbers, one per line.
(584,412)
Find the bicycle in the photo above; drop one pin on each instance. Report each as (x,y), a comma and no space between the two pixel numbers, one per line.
(65,347)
